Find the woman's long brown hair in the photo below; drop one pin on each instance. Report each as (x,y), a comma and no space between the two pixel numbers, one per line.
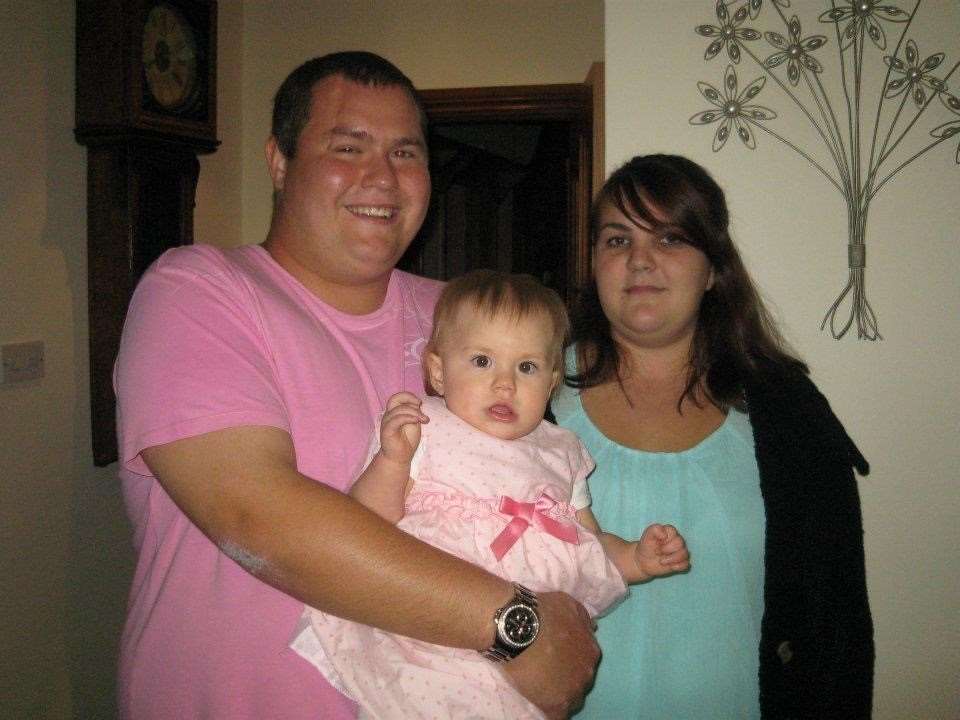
(734,334)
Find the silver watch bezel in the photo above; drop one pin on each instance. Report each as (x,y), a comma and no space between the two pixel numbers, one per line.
(503,616)
(505,648)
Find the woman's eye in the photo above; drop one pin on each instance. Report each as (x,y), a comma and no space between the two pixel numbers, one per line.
(671,239)
(617,241)
(527,367)
(480,361)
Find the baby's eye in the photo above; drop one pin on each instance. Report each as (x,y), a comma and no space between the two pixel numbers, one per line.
(480,361)
(527,367)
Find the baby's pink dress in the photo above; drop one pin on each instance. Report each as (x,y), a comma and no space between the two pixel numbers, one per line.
(461,476)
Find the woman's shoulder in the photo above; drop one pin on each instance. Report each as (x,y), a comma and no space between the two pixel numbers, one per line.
(784,399)
(777,372)
(784,389)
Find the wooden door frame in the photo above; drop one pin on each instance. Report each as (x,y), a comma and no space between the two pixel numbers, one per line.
(573,103)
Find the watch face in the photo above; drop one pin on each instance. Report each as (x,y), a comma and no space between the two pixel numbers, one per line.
(169,57)
(519,625)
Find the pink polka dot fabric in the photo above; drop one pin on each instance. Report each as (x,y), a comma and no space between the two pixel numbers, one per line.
(459,475)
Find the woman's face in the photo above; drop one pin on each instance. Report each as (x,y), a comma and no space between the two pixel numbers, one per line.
(650,282)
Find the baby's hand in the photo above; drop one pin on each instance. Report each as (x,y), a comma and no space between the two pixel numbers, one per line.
(400,427)
(661,550)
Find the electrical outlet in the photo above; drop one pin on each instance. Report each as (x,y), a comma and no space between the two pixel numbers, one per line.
(22,362)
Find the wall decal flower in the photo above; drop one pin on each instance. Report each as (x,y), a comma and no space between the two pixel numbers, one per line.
(952,128)
(756,5)
(727,32)
(794,51)
(861,158)
(864,14)
(915,74)
(731,109)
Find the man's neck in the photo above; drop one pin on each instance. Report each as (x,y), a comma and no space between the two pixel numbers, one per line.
(353,299)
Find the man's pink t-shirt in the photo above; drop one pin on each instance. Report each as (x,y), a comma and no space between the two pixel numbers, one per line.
(224,338)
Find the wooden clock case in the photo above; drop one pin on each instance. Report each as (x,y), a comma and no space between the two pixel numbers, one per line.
(142,170)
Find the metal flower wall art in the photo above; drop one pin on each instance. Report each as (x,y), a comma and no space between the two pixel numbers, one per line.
(862,128)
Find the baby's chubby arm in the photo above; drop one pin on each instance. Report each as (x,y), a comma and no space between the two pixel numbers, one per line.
(384,485)
(661,550)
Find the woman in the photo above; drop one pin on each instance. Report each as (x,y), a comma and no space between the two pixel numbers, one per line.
(697,415)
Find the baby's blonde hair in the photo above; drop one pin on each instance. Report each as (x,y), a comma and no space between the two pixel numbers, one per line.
(499,294)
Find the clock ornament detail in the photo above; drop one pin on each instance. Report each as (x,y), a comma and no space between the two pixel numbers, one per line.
(146,107)
(170,58)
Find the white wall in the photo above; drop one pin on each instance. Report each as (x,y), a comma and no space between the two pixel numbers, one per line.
(898,398)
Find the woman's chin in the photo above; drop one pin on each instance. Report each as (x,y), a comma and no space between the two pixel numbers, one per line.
(654,332)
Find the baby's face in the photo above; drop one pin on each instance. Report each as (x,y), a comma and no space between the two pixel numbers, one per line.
(496,373)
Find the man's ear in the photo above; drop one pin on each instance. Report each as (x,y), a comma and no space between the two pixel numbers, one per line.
(435,372)
(276,163)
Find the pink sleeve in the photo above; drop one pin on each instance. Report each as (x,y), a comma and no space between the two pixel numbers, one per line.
(192,358)
(583,465)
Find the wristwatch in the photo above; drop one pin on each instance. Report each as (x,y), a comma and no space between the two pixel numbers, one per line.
(517,626)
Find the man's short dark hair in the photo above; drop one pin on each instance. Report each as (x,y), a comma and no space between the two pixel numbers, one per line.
(291,105)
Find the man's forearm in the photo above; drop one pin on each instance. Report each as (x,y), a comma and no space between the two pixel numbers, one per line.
(363,568)
(239,486)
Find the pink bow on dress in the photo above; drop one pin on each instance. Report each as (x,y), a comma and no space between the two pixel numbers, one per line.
(525,515)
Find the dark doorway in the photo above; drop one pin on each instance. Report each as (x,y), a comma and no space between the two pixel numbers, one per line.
(511,169)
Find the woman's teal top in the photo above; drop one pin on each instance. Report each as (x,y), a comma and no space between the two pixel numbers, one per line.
(682,647)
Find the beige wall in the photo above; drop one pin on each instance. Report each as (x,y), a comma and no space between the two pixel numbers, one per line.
(64,544)
(898,397)
(65,552)
(65,558)
(43,463)
(218,216)
(438,44)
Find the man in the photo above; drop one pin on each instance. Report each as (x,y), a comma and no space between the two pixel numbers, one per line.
(248,383)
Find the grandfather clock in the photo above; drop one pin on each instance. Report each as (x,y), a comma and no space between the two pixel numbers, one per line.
(146,108)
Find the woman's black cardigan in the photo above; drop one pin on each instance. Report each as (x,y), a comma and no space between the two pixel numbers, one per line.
(816,641)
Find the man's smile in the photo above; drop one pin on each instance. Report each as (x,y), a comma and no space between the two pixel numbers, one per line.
(383,212)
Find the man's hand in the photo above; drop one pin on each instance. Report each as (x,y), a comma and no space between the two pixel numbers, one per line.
(557,670)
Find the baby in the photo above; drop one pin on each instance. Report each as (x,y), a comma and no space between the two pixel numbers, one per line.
(477,472)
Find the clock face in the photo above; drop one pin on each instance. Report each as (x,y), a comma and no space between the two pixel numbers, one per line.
(170,58)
